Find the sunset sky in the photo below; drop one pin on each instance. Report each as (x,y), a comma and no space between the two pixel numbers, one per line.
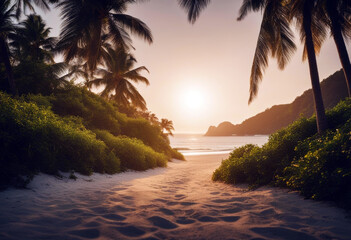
(199,73)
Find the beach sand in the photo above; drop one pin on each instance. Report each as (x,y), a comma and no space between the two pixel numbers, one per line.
(178,202)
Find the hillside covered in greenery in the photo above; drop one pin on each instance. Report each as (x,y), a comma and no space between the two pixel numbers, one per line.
(297,157)
(333,88)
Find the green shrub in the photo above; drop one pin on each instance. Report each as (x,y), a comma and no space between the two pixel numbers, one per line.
(132,152)
(33,139)
(97,113)
(94,110)
(322,167)
(150,134)
(317,165)
(173,153)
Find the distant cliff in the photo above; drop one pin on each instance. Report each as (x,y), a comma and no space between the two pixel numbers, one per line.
(333,88)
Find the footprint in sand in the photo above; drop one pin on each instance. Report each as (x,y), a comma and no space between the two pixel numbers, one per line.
(150,238)
(180,196)
(92,224)
(114,217)
(207,219)
(131,231)
(119,208)
(166,211)
(86,233)
(230,218)
(232,210)
(162,223)
(233,199)
(281,233)
(184,220)
(187,203)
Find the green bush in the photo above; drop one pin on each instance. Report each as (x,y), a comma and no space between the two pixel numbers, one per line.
(317,165)
(97,113)
(132,152)
(322,167)
(94,110)
(173,153)
(33,139)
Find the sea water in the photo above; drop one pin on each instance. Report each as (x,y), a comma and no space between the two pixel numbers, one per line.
(198,144)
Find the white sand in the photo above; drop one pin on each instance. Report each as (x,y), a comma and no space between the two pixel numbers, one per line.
(179,202)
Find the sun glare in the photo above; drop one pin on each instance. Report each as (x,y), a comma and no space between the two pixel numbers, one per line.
(193,100)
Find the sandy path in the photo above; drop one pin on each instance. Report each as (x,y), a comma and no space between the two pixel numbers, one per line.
(179,202)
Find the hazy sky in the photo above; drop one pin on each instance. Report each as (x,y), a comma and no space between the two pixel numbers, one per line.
(199,73)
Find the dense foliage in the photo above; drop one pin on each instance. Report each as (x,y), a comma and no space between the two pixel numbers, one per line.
(34,139)
(74,130)
(97,113)
(317,165)
(133,153)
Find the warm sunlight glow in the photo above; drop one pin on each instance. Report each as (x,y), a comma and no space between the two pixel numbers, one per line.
(193,100)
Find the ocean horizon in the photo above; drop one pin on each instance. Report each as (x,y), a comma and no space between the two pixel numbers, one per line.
(198,144)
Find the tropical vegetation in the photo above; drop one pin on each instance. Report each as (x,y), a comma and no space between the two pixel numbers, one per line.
(53,121)
(296,157)
(310,155)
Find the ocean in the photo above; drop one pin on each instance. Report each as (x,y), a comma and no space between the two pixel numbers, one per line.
(198,144)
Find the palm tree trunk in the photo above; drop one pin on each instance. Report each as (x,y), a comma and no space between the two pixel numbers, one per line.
(316,88)
(343,55)
(6,60)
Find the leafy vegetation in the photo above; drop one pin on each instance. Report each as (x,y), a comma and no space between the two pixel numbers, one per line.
(132,152)
(317,165)
(74,130)
(34,139)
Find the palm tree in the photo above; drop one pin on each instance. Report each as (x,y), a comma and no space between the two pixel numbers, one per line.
(24,4)
(6,27)
(167,125)
(312,34)
(275,38)
(335,14)
(31,40)
(78,70)
(193,7)
(85,22)
(116,77)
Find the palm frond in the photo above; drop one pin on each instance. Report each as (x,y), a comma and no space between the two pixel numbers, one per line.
(134,25)
(250,5)
(194,8)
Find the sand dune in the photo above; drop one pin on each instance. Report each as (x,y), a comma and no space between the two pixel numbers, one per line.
(179,202)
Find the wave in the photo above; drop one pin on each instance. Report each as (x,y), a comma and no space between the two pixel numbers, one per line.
(203,150)
(195,149)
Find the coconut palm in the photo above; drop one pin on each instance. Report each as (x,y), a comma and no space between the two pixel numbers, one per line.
(29,4)
(6,27)
(116,77)
(193,7)
(275,38)
(312,35)
(167,125)
(31,40)
(85,22)
(335,14)
(77,71)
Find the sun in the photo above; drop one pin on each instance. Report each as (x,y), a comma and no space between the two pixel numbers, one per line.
(193,99)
